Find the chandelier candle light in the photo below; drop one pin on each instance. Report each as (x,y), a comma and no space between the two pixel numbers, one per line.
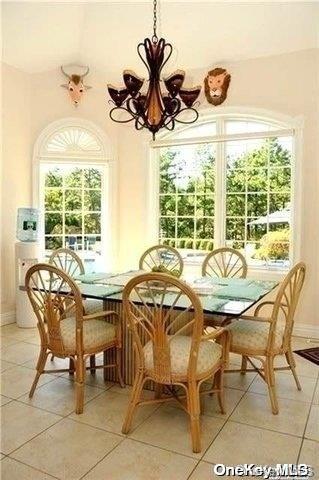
(154,109)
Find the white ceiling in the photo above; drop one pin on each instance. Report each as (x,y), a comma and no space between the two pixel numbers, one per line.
(41,36)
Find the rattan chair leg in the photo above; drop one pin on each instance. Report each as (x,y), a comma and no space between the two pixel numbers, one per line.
(243,365)
(158,391)
(194,412)
(40,367)
(119,367)
(79,384)
(221,392)
(92,364)
(292,364)
(71,366)
(270,379)
(135,396)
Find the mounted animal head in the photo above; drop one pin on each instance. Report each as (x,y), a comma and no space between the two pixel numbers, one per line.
(75,85)
(216,85)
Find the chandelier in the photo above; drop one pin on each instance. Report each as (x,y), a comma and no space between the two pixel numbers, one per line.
(157,107)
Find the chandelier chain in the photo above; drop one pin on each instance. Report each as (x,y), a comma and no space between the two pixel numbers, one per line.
(155,38)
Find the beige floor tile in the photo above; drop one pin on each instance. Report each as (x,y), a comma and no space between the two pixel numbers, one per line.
(21,422)
(238,381)
(316,396)
(211,406)
(2,456)
(254,409)
(205,471)
(304,368)
(68,450)
(310,455)
(286,387)
(107,411)
(260,446)
(4,400)
(96,380)
(18,333)
(169,428)
(7,341)
(13,470)
(312,430)
(18,380)
(6,365)
(19,353)
(58,396)
(136,461)
(56,363)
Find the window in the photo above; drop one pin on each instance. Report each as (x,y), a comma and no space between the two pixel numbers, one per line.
(73,176)
(232,187)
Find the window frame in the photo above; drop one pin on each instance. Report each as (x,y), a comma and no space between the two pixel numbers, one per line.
(287,126)
(104,160)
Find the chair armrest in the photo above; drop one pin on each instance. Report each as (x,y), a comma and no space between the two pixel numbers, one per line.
(103,313)
(262,305)
(215,334)
(256,319)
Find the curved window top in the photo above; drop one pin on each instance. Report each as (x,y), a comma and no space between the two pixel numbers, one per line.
(73,141)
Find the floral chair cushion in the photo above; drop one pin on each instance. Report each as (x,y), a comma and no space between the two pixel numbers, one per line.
(95,333)
(252,335)
(180,345)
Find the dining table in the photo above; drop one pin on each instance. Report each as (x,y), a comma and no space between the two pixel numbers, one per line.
(226,298)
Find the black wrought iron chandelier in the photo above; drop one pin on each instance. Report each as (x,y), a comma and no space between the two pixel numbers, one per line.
(154,109)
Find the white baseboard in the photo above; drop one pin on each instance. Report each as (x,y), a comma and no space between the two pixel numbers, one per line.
(307,331)
(8,317)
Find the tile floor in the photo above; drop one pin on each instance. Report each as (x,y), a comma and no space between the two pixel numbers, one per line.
(43,439)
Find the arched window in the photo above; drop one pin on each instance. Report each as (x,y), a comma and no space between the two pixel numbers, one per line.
(227,181)
(72,164)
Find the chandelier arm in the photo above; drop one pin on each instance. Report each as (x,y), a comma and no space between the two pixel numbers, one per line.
(141,56)
(186,121)
(120,121)
(169,55)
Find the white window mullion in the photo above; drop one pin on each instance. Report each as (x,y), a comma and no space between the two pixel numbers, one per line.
(220,188)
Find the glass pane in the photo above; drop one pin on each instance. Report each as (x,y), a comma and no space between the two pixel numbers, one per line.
(53,199)
(185,243)
(257,180)
(185,205)
(205,228)
(204,130)
(53,223)
(52,243)
(280,179)
(235,180)
(256,204)
(92,178)
(73,223)
(185,227)
(54,177)
(93,243)
(73,200)
(278,201)
(167,205)
(235,228)
(92,200)
(206,180)
(256,231)
(167,227)
(92,223)
(247,153)
(205,206)
(168,241)
(240,126)
(280,151)
(236,245)
(73,177)
(235,205)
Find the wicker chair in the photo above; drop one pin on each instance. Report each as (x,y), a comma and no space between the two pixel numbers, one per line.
(65,331)
(162,256)
(170,347)
(225,262)
(263,338)
(68,261)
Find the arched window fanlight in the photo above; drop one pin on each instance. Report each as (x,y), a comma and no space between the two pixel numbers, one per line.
(73,141)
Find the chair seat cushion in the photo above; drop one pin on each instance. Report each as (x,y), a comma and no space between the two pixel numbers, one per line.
(252,335)
(180,346)
(95,333)
(92,306)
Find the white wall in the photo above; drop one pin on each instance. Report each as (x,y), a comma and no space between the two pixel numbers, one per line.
(286,84)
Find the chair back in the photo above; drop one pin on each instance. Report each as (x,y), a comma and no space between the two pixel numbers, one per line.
(225,262)
(54,296)
(162,259)
(287,300)
(158,307)
(68,261)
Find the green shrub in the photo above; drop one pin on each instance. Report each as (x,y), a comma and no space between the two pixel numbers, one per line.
(274,245)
